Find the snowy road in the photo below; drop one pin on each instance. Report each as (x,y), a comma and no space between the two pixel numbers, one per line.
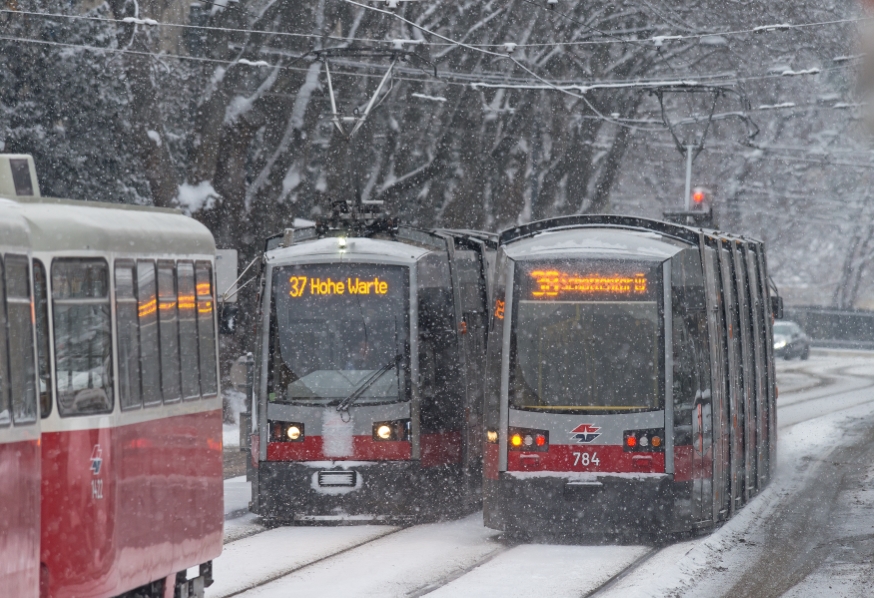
(810,533)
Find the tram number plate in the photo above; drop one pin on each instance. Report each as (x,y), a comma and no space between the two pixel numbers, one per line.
(586,459)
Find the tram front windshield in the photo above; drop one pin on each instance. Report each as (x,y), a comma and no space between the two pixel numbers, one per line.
(587,337)
(340,331)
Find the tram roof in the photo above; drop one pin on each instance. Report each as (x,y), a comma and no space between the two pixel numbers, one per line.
(13,226)
(356,248)
(591,241)
(72,225)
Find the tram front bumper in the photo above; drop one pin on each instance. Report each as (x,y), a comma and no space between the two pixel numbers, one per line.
(562,504)
(382,491)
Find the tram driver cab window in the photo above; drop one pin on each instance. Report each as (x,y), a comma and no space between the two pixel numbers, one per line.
(83,336)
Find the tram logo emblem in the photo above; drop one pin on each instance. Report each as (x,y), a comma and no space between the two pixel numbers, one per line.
(96,459)
(585,433)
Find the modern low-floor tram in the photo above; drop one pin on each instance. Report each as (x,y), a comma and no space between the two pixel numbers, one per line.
(630,381)
(368,374)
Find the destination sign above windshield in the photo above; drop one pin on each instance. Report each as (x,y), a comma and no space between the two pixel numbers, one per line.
(554,283)
(314,287)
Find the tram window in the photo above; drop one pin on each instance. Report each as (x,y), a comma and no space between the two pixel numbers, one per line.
(438,349)
(169,332)
(22,370)
(206,329)
(41,305)
(188,331)
(83,336)
(691,351)
(147,313)
(328,340)
(587,336)
(5,414)
(128,334)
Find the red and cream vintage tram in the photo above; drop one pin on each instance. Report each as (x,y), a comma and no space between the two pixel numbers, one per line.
(19,419)
(369,373)
(127,388)
(630,379)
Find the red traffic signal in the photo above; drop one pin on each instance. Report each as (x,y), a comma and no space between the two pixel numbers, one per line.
(700,199)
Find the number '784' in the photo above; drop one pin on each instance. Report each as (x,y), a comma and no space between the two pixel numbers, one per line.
(586,459)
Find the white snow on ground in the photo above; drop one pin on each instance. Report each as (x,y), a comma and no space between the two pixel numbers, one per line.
(397,565)
(252,561)
(708,566)
(241,527)
(544,570)
(238,493)
(231,435)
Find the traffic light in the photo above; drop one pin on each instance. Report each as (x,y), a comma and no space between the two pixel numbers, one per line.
(700,200)
(699,212)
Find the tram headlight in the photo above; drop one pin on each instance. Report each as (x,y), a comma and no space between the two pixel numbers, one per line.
(393,430)
(525,439)
(286,432)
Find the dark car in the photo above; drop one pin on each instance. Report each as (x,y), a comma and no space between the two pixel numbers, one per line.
(790,341)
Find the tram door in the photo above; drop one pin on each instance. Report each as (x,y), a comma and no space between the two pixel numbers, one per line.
(735,413)
(719,385)
(692,394)
(474,327)
(757,333)
(768,415)
(748,377)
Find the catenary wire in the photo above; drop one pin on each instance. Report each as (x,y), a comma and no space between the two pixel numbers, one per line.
(613,39)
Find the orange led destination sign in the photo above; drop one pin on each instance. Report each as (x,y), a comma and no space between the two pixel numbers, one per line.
(301,285)
(552,283)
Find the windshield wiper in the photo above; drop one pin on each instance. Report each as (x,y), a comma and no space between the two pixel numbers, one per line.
(368,382)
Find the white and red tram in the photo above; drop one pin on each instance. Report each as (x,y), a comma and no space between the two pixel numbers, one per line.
(131,434)
(19,420)
(369,394)
(630,378)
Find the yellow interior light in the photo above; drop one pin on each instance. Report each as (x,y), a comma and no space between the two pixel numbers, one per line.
(492,436)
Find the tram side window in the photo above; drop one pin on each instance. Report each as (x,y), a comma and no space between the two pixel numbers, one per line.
(169,332)
(147,313)
(22,370)
(188,330)
(691,349)
(83,336)
(5,414)
(441,404)
(41,304)
(128,334)
(206,329)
